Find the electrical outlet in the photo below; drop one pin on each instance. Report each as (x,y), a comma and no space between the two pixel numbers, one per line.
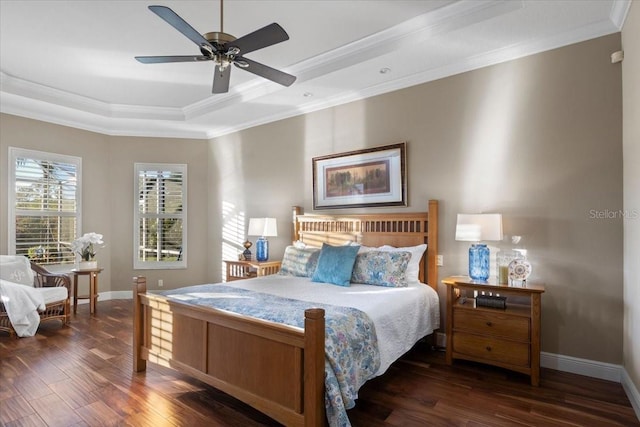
(160,283)
(440,260)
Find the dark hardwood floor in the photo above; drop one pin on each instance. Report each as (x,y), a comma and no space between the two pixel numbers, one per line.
(81,375)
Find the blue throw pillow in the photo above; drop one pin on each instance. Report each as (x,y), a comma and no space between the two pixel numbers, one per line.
(335,264)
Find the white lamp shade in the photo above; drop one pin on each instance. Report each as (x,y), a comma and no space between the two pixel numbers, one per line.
(479,227)
(265,227)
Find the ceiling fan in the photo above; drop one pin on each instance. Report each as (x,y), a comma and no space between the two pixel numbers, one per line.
(224,49)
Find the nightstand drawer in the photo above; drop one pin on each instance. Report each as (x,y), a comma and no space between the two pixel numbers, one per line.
(494,323)
(492,349)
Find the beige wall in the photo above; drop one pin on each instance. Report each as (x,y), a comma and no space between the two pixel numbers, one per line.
(96,192)
(108,192)
(538,139)
(631,147)
(123,153)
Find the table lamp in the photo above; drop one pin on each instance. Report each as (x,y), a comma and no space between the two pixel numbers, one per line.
(262,227)
(477,228)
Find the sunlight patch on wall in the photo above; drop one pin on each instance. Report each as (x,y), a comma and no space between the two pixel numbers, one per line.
(488,140)
(233,232)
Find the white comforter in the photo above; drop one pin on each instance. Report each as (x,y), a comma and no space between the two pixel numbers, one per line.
(401,315)
(22,304)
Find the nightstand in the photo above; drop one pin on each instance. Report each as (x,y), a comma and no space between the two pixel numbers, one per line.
(507,337)
(238,270)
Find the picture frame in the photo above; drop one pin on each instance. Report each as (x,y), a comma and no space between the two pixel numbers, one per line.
(362,178)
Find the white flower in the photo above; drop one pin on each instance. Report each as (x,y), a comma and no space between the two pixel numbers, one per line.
(83,246)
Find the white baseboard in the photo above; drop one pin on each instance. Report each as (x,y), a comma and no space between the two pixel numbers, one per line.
(594,369)
(106,296)
(632,392)
(575,365)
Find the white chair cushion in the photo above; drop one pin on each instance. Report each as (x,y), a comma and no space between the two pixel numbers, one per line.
(16,269)
(53,294)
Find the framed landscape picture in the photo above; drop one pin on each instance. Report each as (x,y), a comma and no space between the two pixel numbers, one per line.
(370,177)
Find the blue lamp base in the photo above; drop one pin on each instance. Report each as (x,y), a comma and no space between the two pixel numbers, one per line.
(479,262)
(262,249)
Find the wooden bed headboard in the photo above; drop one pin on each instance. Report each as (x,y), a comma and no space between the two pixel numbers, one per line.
(395,229)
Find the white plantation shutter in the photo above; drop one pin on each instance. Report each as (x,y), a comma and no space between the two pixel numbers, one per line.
(160,217)
(44,205)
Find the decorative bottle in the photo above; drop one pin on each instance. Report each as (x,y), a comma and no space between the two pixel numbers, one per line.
(504,258)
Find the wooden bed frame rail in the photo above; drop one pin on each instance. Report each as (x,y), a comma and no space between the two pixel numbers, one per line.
(279,370)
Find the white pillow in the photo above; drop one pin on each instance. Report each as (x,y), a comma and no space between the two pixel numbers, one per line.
(16,269)
(413,269)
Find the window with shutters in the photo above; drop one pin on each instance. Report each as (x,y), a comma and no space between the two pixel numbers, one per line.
(44,205)
(160,216)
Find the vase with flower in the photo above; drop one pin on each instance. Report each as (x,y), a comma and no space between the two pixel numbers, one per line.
(86,247)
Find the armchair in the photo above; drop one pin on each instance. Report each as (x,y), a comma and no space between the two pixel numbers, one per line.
(55,290)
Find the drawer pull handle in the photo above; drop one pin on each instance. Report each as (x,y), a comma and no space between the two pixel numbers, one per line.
(489,324)
(488,348)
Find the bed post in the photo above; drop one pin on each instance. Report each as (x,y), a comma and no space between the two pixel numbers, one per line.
(314,412)
(432,247)
(139,286)
(295,236)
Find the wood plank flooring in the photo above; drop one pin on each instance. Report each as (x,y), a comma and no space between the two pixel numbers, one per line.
(81,375)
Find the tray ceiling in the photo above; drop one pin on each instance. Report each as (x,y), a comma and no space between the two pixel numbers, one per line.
(72,62)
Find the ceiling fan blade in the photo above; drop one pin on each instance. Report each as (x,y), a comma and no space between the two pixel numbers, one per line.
(265,71)
(181,25)
(221,80)
(163,59)
(265,36)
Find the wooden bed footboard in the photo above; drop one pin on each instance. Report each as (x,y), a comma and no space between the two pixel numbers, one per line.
(279,370)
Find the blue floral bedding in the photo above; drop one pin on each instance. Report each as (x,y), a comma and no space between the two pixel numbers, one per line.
(351,345)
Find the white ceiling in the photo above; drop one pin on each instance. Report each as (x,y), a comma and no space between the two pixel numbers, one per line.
(72,62)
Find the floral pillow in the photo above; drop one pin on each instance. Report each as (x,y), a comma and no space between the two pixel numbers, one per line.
(381,268)
(413,270)
(299,261)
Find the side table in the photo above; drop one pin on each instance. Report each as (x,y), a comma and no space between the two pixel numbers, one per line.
(508,337)
(93,288)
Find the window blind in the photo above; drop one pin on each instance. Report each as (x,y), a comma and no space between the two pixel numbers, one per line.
(44,195)
(160,216)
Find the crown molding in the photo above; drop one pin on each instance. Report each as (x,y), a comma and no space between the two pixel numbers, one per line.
(498,56)
(619,12)
(18,105)
(36,91)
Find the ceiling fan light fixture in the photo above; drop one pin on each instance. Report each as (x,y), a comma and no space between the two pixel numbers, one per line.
(242,64)
(222,61)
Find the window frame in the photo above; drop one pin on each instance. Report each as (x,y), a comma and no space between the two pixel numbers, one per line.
(14,154)
(159,265)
